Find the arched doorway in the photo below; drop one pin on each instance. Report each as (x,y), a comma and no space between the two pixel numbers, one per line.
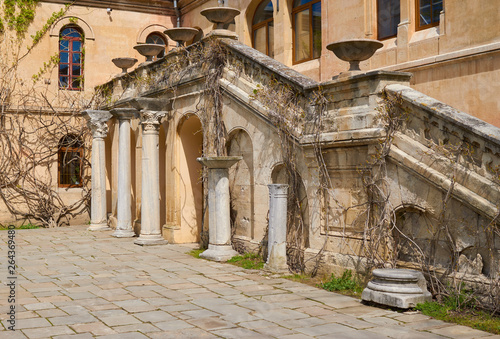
(190,143)
(241,181)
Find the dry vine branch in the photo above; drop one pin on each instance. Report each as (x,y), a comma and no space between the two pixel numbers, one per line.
(33,122)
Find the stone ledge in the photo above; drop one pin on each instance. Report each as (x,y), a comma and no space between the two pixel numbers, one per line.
(395,299)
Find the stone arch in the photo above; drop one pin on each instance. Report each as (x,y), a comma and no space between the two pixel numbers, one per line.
(279,175)
(417,236)
(189,170)
(249,14)
(241,184)
(147,30)
(72,20)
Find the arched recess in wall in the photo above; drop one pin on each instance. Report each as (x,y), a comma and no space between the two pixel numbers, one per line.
(241,185)
(88,32)
(417,237)
(298,223)
(148,30)
(190,147)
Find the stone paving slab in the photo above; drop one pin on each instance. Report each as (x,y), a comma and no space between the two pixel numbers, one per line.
(76,284)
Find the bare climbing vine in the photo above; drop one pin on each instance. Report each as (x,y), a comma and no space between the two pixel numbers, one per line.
(34,124)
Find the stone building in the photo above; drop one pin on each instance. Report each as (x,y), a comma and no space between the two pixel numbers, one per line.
(160,118)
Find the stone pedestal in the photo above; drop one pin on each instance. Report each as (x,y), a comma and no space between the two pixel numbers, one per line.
(219,223)
(97,122)
(397,288)
(150,196)
(276,238)
(124,209)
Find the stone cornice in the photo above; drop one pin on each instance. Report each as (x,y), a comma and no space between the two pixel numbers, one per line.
(164,7)
(125,113)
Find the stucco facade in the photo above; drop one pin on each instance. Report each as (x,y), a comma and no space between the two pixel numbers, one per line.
(456,65)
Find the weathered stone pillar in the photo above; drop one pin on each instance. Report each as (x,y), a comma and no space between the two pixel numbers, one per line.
(124,209)
(97,122)
(150,196)
(219,222)
(276,236)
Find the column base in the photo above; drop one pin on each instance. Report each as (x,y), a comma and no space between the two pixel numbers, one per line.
(276,262)
(99,227)
(123,233)
(150,240)
(274,269)
(219,253)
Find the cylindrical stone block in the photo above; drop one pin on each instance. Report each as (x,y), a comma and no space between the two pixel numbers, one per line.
(124,209)
(98,214)
(219,222)
(97,122)
(150,198)
(150,179)
(276,250)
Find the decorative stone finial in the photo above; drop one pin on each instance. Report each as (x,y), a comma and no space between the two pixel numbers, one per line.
(354,51)
(181,34)
(221,16)
(124,63)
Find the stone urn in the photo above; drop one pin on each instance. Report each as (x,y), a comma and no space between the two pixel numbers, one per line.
(149,50)
(181,34)
(220,15)
(124,63)
(354,51)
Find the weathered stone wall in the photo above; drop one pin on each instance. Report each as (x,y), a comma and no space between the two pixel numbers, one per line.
(418,172)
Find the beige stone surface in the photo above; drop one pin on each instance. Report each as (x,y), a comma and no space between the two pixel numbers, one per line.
(91,254)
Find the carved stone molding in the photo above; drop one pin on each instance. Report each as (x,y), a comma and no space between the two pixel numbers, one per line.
(125,113)
(97,122)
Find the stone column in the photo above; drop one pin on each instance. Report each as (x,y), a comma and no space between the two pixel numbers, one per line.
(124,209)
(150,196)
(97,122)
(276,236)
(219,222)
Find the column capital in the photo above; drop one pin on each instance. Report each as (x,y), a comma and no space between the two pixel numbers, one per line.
(125,113)
(278,190)
(219,162)
(150,120)
(97,122)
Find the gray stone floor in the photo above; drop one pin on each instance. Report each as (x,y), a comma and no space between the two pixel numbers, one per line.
(77,284)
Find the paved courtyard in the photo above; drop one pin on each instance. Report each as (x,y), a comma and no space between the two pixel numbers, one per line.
(77,284)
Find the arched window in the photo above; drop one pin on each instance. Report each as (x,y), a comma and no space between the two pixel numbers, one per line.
(306,22)
(71,58)
(388,18)
(156,38)
(263,28)
(70,160)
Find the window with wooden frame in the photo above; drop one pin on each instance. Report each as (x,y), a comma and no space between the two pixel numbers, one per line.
(388,18)
(158,39)
(263,28)
(428,12)
(70,160)
(71,58)
(306,27)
